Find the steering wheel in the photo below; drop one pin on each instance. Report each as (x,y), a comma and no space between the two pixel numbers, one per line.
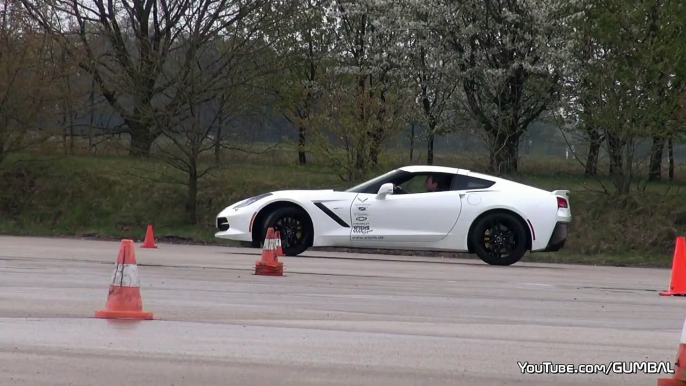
(398,190)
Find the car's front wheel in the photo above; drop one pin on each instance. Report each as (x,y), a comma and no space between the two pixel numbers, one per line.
(294,227)
(499,239)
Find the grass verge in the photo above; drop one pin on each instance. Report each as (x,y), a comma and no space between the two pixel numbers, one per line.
(115,197)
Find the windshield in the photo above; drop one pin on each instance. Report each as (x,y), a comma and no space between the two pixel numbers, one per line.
(374,184)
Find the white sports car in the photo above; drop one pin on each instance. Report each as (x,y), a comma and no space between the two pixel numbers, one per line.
(411,208)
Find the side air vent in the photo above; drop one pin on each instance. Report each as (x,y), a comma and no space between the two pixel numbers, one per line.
(222,224)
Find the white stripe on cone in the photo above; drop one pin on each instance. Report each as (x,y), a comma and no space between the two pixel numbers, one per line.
(126,275)
(683,334)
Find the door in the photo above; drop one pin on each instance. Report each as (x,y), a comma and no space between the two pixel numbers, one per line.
(414,217)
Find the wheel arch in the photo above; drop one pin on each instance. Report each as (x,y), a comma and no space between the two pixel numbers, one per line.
(263,212)
(527,229)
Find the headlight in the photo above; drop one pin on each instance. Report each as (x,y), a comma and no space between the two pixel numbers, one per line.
(251,200)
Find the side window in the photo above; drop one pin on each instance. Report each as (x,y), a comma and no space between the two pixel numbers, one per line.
(414,185)
(464,183)
(417,184)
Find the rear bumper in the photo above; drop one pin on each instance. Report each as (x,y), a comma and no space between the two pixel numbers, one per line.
(558,238)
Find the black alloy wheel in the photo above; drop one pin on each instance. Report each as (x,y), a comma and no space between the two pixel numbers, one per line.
(499,239)
(293,225)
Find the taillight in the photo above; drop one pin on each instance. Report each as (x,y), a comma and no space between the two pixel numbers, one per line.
(561,202)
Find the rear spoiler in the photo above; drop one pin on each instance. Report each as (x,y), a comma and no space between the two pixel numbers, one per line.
(562,193)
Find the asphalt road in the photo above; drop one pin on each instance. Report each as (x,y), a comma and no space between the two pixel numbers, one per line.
(333,319)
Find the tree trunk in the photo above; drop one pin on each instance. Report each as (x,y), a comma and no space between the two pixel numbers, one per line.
(379,132)
(65,132)
(192,200)
(64,140)
(656,154)
(615,149)
(312,77)
(412,144)
(91,131)
(628,165)
(504,153)
(593,153)
(4,126)
(504,162)
(426,104)
(302,157)
(70,114)
(361,156)
(141,140)
(430,148)
(376,138)
(218,140)
(431,139)
(670,151)
(375,147)
(72,136)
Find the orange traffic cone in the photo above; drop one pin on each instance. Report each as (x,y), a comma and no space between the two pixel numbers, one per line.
(269,264)
(679,369)
(124,297)
(279,251)
(677,285)
(149,239)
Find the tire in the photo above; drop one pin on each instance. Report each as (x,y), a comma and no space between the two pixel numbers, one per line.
(511,229)
(282,219)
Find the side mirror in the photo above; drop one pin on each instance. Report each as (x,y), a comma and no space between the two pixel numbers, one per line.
(384,190)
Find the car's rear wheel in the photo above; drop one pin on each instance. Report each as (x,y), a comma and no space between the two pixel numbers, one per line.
(295,229)
(499,239)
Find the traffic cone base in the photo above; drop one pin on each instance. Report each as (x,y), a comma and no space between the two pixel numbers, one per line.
(124,303)
(670,293)
(149,239)
(677,282)
(268,270)
(123,315)
(124,297)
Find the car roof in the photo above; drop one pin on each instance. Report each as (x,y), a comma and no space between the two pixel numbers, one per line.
(450,170)
(432,169)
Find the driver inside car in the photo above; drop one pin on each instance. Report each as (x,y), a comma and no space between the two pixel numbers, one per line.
(435,183)
(431,185)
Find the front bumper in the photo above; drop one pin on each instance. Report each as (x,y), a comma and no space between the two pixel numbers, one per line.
(558,238)
(235,226)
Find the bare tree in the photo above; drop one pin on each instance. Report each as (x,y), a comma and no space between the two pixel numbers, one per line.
(342,133)
(368,47)
(221,83)
(624,83)
(431,71)
(28,97)
(128,48)
(306,49)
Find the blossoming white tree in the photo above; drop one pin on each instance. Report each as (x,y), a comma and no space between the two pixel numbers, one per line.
(428,70)
(508,57)
(364,89)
